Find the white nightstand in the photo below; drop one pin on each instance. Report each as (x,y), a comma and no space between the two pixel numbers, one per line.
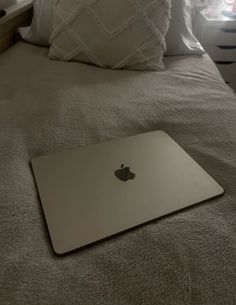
(218,37)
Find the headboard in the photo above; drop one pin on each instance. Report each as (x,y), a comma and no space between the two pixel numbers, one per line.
(17,15)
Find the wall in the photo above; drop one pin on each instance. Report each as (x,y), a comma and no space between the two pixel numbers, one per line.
(199,2)
(6,3)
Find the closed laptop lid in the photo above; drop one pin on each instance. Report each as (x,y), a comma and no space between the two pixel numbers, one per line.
(99,190)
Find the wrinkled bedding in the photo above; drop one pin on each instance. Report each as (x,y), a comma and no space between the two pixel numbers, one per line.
(48,106)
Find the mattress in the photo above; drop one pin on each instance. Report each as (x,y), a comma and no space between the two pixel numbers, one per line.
(48,106)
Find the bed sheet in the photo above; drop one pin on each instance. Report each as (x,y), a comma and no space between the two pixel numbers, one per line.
(48,106)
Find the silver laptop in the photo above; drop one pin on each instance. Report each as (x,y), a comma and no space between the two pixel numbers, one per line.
(97,191)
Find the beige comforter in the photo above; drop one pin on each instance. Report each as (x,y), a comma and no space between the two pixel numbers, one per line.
(48,106)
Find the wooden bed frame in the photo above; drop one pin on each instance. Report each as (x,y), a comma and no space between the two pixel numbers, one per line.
(16,16)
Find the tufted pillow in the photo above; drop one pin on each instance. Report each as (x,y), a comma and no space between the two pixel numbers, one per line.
(118,34)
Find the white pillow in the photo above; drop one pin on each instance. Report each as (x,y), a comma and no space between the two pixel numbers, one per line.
(115,34)
(40,30)
(180,39)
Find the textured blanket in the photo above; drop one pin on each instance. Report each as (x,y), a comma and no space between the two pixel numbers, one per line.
(48,106)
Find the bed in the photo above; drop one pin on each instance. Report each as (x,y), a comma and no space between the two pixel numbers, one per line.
(49,106)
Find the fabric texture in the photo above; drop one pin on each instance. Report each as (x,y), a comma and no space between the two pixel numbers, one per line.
(186,258)
(130,36)
(40,30)
(180,39)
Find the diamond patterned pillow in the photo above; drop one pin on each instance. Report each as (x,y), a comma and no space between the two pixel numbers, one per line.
(117,34)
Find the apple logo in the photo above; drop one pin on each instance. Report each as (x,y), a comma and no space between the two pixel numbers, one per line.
(124,173)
